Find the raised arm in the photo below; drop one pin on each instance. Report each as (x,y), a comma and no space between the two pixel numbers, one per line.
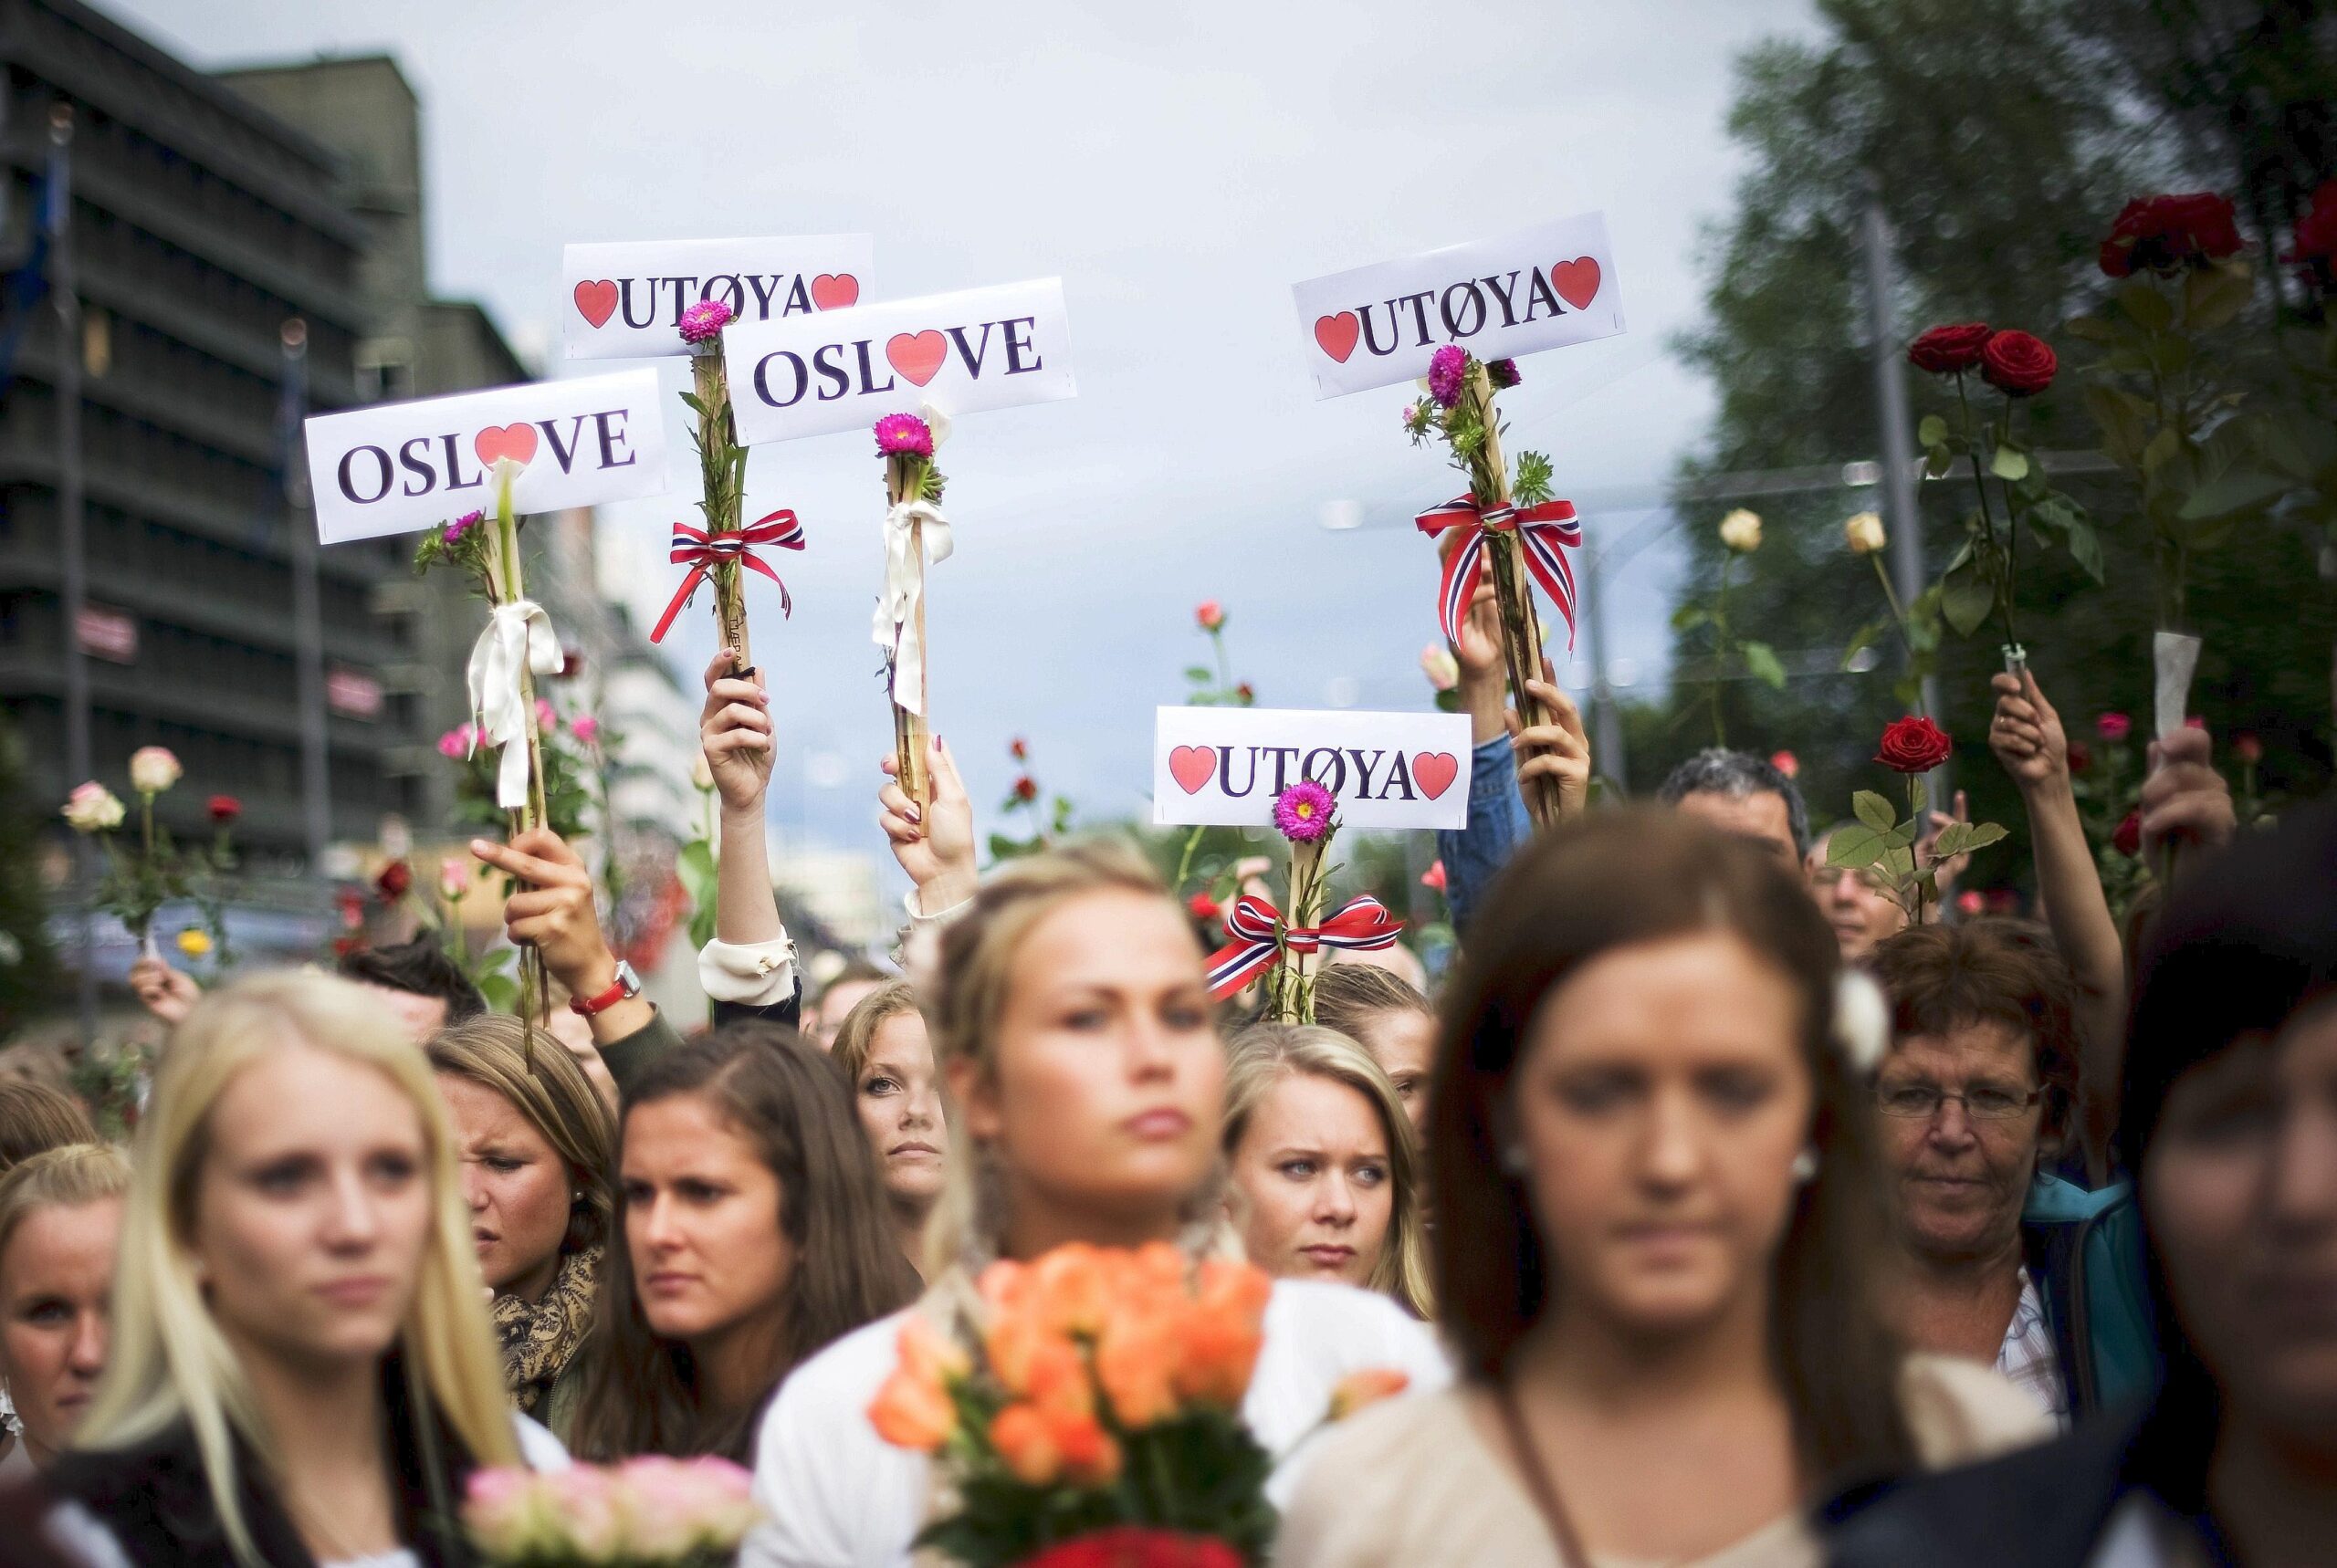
(935,844)
(748,969)
(1475,854)
(2028,738)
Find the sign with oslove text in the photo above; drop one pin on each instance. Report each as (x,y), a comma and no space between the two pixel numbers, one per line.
(626,301)
(398,466)
(1225,766)
(841,369)
(1544,289)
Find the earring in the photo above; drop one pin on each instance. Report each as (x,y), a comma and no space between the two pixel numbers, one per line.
(1805,1167)
(1513,1159)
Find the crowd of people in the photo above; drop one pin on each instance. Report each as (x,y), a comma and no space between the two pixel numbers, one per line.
(1717,1213)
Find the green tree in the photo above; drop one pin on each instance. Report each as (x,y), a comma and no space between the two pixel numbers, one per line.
(2001,138)
(28,974)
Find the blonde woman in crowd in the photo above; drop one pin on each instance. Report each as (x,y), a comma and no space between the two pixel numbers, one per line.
(301,1368)
(60,1218)
(896,1092)
(1324,1173)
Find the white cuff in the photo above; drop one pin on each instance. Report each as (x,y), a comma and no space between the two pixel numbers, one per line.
(919,920)
(752,974)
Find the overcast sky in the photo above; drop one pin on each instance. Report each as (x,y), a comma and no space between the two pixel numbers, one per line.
(1179,167)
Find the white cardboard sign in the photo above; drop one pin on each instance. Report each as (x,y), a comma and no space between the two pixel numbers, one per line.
(841,369)
(398,466)
(1542,289)
(625,302)
(1225,766)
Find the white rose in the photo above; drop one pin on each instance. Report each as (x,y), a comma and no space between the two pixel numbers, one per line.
(154,769)
(92,808)
(1864,533)
(1443,670)
(701,771)
(1741,531)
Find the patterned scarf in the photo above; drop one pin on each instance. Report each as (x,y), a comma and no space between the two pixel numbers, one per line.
(539,1338)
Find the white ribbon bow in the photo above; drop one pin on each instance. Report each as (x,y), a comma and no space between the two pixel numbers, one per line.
(897,612)
(519,636)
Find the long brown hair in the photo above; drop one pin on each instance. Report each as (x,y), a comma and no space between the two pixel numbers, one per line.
(788,1100)
(1612,880)
(552,1092)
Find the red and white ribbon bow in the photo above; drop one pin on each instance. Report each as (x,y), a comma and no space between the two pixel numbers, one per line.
(1546,530)
(701,552)
(1259,940)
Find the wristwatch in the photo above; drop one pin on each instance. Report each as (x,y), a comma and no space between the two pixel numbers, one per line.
(626,984)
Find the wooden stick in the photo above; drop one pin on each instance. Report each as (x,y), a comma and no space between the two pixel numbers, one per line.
(534,989)
(715,443)
(1513,594)
(912,738)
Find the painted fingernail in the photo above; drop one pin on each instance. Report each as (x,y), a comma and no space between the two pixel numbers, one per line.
(936,743)
(913,814)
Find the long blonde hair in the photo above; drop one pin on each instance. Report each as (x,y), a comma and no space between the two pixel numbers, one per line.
(169,1362)
(1264,1055)
(968,995)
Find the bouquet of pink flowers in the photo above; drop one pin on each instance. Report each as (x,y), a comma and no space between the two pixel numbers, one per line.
(648,1512)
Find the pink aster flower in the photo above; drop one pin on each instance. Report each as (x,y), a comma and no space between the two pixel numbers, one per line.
(462,525)
(1444,372)
(705,321)
(1302,812)
(904,433)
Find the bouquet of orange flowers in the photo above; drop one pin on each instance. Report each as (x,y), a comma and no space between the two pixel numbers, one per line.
(1102,1390)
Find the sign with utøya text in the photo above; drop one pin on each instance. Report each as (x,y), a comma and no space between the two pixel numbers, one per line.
(1225,766)
(625,302)
(398,466)
(1542,289)
(842,369)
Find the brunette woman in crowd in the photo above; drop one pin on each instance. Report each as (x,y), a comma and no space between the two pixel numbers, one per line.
(538,1156)
(755,1232)
(60,1218)
(1321,1160)
(887,1059)
(1074,1024)
(301,1370)
(34,1117)
(1660,1236)
(1390,1018)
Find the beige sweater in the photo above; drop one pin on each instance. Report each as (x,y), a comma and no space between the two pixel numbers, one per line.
(1415,1484)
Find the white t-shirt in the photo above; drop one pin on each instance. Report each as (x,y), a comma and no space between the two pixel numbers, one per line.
(835,1495)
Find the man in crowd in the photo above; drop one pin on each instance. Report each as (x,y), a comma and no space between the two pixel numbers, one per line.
(421,987)
(2009,1265)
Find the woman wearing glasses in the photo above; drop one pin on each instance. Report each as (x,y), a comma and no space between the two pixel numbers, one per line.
(2009,1264)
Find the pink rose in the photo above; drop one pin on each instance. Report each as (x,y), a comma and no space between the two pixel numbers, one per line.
(585,727)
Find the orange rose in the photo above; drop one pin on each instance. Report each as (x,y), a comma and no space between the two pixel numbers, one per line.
(1069,1288)
(930,1354)
(912,1412)
(1020,1436)
(1235,1288)
(1004,1285)
(1033,1361)
(1090,1458)
(1057,1380)
(1216,1353)
(1136,1361)
(1368,1386)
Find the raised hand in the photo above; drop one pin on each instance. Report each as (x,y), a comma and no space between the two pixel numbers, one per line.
(1560,750)
(555,915)
(936,844)
(735,730)
(165,992)
(2184,796)
(2025,733)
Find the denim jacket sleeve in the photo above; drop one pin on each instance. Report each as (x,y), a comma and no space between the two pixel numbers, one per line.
(1474,855)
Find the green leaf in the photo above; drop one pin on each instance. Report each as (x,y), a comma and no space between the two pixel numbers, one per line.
(1875,810)
(1865,637)
(1966,598)
(1761,662)
(1932,431)
(1199,674)
(1899,863)
(2092,329)
(2214,293)
(1937,461)
(2009,463)
(2244,488)
(2163,448)
(1689,616)
(694,404)
(2297,444)
(2123,420)
(1854,849)
(2144,306)
(2085,548)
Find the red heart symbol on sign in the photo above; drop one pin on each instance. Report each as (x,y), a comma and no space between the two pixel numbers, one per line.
(517,442)
(1577,281)
(596,302)
(1336,334)
(834,290)
(917,355)
(1191,767)
(1434,771)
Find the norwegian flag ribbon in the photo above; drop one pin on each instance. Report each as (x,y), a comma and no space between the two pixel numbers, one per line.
(1255,926)
(701,552)
(1546,530)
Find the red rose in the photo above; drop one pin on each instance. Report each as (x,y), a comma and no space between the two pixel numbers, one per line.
(1019,748)
(1201,907)
(1913,746)
(1971,901)
(2247,749)
(226,809)
(2316,239)
(2080,758)
(1786,763)
(2018,365)
(2112,727)
(2128,839)
(2164,234)
(1026,788)
(1209,615)
(395,878)
(1944,351)
(1134,1546)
